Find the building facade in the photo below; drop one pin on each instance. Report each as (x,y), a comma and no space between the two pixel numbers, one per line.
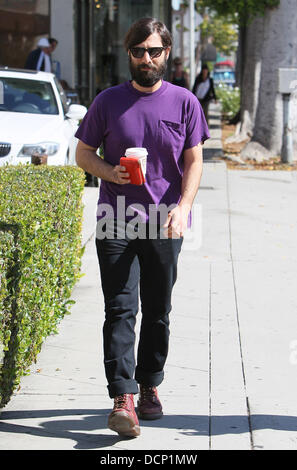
(22,23)
(100,27)
(90,53)
(91,34)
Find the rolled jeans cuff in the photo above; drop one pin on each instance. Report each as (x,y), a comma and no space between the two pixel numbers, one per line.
(149,378)
(122,386)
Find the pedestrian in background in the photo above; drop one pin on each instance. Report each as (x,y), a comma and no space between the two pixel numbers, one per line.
(39,59)
(168,121)
(53,44)
(179,77)
(55,64)
(204,89)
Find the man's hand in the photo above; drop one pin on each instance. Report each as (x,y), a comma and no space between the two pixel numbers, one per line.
(177,219)
(120,176)
(177,222)
(88,160)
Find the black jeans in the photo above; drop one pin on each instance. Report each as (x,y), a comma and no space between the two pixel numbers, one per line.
(205,106)
(126,264)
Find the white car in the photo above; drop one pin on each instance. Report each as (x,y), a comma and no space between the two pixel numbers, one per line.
(35,118)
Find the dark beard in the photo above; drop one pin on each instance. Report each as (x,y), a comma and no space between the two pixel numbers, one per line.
(147,78)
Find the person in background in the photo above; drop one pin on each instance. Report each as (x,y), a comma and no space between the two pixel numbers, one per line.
(204,89)
(179,76)
(53,43)
(39,59)
(55,64)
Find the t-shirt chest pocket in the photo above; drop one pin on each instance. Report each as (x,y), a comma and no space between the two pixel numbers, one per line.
(172,136)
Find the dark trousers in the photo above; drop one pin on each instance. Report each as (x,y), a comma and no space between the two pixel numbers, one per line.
(126,265)
(205,106)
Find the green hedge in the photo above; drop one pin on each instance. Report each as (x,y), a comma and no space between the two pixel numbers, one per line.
(230,100)
(40,257)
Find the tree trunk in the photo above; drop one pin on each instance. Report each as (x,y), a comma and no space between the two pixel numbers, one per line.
(250,80)
(279,50)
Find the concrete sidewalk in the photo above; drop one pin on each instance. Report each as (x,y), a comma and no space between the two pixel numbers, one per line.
(231,375)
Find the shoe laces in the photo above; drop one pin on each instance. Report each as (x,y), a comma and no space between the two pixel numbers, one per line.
(148,392)
(121,401)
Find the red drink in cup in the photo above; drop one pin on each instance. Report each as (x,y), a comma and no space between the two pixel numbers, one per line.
(135,163)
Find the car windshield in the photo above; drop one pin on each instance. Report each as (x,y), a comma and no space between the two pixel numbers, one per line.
(27,96)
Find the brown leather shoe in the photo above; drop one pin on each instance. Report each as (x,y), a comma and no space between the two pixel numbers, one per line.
(123,418)
(149,405)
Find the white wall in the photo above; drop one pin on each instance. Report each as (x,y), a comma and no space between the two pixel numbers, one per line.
(176,50)
(62,29)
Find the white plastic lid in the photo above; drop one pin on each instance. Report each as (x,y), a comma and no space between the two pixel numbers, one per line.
(136,152)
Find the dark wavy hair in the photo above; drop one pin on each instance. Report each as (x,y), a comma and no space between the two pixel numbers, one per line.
(204,67)
(143,28)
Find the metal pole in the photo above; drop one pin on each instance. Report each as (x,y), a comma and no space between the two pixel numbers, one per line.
(182,49)
(92,59)
(83,72)
(287,147)
(156,10)
(192,43)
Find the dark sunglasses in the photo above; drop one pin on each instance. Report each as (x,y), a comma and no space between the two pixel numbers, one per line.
(138,52)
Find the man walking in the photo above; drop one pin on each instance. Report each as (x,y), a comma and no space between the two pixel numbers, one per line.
(168,121)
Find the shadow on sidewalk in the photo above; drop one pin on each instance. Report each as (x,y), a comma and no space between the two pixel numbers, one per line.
(211,155)
(187,425)
(213,147)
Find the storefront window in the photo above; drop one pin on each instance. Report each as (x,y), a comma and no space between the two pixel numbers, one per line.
(112,20)
(22,23)
(101,27)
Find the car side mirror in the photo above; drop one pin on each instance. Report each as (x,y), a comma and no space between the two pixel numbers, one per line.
(76,111)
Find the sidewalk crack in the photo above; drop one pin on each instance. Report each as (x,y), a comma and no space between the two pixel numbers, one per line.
(237,315)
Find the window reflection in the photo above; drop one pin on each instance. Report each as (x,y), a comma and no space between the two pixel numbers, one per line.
(101,25)
(28,96)
(23,22)
(112,20)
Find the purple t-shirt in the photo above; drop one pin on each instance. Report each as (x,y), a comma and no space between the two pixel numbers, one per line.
(165,122)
